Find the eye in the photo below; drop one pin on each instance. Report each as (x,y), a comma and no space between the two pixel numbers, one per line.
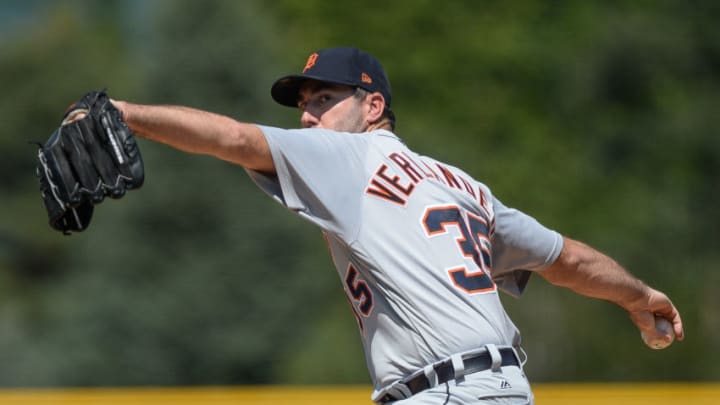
(317,101)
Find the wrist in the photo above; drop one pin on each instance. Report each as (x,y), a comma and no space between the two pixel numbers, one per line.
(639,299)
(122,108)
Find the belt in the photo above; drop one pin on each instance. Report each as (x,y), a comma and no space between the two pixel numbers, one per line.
(446,372)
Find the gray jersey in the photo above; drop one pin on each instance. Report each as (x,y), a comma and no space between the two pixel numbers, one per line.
(420,246)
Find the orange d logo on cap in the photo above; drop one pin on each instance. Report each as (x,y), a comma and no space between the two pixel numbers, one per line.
(343,65)
(310,62)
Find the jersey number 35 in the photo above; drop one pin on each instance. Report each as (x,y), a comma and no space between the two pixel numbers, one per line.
(473,242)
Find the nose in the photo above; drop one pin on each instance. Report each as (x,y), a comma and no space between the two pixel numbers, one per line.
(308,120)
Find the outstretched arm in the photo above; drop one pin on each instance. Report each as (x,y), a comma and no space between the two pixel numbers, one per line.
(202,132)
(586,271)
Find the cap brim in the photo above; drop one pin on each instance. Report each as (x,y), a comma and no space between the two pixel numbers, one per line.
(286,90)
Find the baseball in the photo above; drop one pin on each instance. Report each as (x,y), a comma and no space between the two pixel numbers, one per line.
(664,336)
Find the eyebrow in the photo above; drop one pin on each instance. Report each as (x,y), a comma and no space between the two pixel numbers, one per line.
(316,86)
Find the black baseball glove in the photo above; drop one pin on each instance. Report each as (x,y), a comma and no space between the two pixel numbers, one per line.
(93,154)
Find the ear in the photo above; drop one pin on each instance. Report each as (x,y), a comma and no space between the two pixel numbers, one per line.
(375,105)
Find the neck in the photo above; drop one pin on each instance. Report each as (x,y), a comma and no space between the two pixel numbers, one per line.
(381,124)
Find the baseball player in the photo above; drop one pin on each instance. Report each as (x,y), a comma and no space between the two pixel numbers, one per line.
(421,247)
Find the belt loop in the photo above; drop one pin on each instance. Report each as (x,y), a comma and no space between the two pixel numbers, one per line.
(495,356)
(431,375)
(524,358)
(399,390)
(458,366)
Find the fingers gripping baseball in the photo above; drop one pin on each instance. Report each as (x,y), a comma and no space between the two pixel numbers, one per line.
(660,334)
(658,320)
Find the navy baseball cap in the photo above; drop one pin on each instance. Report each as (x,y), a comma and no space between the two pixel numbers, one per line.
(342,65)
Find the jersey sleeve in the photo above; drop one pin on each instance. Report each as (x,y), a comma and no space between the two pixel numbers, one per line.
(520,245)
(316,173)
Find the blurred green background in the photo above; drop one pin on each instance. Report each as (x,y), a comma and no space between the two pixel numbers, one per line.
(599,118)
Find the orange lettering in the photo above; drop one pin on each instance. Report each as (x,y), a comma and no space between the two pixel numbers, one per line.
(449,177)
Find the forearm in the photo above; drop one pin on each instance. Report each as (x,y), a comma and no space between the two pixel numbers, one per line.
(196,131)
(591,273)
(586,271)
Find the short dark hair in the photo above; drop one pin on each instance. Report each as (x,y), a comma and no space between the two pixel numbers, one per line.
(388,113)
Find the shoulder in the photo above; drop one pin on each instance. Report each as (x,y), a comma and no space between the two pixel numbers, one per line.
(383,134)
(322,132)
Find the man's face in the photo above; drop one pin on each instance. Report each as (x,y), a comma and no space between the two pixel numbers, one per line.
(330,106)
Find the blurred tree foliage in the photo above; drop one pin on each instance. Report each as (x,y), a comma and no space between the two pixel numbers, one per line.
(598,118)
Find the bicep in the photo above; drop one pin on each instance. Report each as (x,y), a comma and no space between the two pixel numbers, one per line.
(560,271)
(577,265)
(247,147)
